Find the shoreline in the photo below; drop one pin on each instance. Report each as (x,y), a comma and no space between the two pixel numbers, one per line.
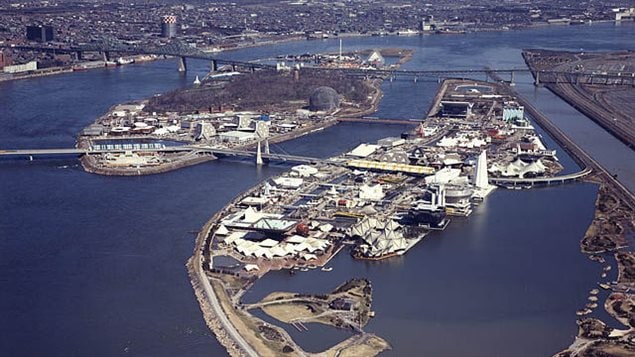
(204,245)
(600,237)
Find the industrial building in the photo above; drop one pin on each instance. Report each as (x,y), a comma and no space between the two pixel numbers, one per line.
(40,33)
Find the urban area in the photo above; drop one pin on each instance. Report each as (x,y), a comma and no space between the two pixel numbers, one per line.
(213,27)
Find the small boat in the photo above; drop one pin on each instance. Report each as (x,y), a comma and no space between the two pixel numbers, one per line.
(326,268)
(304,269)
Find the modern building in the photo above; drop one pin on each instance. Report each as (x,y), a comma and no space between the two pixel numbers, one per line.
(40,33)
(513,111)
(456,109)
(168,26)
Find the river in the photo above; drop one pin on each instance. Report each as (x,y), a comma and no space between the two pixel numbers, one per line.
(94,265)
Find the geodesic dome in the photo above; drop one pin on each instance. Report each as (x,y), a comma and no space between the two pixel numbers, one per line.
(324,99)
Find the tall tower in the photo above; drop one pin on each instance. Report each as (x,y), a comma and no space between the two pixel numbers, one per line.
(480,178)
(168,26)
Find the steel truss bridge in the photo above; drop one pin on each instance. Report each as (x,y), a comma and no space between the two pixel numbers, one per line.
(182,50)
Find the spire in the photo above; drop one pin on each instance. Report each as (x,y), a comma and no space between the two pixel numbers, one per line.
(480,177)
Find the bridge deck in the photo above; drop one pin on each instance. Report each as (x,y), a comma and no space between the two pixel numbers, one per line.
(185,148)
(540,180)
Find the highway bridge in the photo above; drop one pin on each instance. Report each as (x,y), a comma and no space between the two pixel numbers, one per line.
(182,50)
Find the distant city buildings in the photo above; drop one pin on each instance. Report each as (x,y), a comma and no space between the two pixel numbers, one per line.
(40,33)
(234,24)
(168,26)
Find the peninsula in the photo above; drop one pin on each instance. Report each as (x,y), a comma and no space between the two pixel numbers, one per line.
(376,202)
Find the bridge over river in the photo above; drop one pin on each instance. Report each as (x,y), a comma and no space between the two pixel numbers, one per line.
(222,152)
(183,51)
(288,158)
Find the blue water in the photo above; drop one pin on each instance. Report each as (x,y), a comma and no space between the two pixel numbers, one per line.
(94,265)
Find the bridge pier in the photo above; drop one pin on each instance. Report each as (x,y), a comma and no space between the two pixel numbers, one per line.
(259,155)
(78,55)
(214,66)
(537,80)
(267,146)
(106,56)
(182,64)
(512,81)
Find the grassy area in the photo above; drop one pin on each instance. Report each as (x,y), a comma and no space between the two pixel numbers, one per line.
(371,347)
(367,345)
(268,341)
(341,308)
(263,91)
(290,312)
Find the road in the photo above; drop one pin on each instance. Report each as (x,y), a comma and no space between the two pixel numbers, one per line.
(218,310)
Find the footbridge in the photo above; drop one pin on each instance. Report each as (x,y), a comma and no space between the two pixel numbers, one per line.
(380,120)
(539,181)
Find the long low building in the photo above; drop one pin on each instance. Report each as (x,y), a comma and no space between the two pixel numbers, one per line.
(237,136)
(390,166)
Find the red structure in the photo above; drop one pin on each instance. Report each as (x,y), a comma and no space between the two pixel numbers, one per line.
(5,60)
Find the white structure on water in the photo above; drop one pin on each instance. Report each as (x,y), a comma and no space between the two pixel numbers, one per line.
(482,188)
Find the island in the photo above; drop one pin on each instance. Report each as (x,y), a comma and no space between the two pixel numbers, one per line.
(232,112)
